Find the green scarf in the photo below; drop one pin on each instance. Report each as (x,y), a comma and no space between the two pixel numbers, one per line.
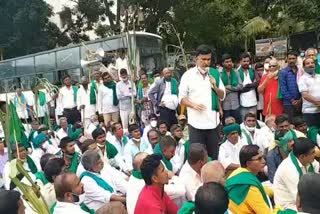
(157,150)
(186,150)
(101,183)
(251,74)
(287,211)
(42,98)
(82,206)
(32,166)
(74,163)
(174,86)
(312,134)
(75,92)
(233,78)
(238,187)
(187,208)
(249,139)
(93,91)
(137,174)
(140,95)
(111,150)
(41,176)
(214,97)
(279,94)
(317,67)
(31,135)
(112,85)
(124,140)
(296,164)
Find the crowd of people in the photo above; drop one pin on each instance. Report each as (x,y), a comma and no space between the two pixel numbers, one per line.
(236,140)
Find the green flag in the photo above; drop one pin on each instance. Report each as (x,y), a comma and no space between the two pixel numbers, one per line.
(17,131)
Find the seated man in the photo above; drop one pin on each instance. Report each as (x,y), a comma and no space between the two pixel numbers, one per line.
(212,171)
(300,161)
(94,123)
(211,197)
(40,176)
(69,190)
(230,149)
(98,191)
(19,154)
(166,149)
(69,155)
(308,198)
(163,129)
(11,202)
(109,151)
(153,137)
(190,173)
(152,198)
(249,129)
(276,155)
(175,188)
(53,168)
(135,145)
(118,139)
(266,133)
(246,193)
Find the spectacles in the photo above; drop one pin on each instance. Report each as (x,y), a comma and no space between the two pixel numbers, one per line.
(272,65)
(258,158)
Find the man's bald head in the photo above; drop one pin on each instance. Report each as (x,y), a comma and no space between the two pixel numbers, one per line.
(213,171)
(112,207)
(64,183)
(137,161)
(167,74)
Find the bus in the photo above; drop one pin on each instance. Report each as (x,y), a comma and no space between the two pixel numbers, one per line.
(22,72)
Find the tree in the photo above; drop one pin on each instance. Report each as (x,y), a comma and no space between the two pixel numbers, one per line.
(25,27)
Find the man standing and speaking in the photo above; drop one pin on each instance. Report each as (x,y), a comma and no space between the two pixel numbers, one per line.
(200,90)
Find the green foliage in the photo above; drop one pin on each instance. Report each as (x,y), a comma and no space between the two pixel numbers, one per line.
(25,27)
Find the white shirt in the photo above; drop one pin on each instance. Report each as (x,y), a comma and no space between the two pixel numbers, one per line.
(198,90)
(248,99)
(64,207)
(119,145)
(178,159)
(96,196)
(61,133)
(131,149)
(48,193)
(105,100)
(66,98)
(40,111)
(124,92)
(244,138)
(264,138)
(311,85)
(170,100)
(83,98)
(191,180)
(285,183)
(229,153)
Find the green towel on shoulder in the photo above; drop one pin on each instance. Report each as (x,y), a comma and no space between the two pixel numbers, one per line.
(111,150)
(187,208)
(214,96)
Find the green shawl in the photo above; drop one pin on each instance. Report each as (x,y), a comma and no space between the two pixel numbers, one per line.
(101,183)
(157,150)
(233,78)
(174,86)
(214,97)
(41,176)
(238,187)
(74,163)
(112,85)
(32,166)
(186,150)
(312,134)
(287,211)
(75,92)
(317,66)
(137,174)
(296,164)
(187,208)
(42,98)
(111,150)
(251,74)
(93,91)
(249,139)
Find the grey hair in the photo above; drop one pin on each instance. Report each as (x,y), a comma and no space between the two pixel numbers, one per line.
(84,78)
(89,159)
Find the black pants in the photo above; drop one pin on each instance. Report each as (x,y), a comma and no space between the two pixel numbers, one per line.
(207,137)
(234,113)
(291,112)
(168,115)
(312,119)
(72,115)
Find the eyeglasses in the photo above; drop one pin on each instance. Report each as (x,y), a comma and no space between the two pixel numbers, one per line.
(273,66)
(258,158)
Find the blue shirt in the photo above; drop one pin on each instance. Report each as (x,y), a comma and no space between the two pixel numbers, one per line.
(274,159)
(131,149)
(288,86)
